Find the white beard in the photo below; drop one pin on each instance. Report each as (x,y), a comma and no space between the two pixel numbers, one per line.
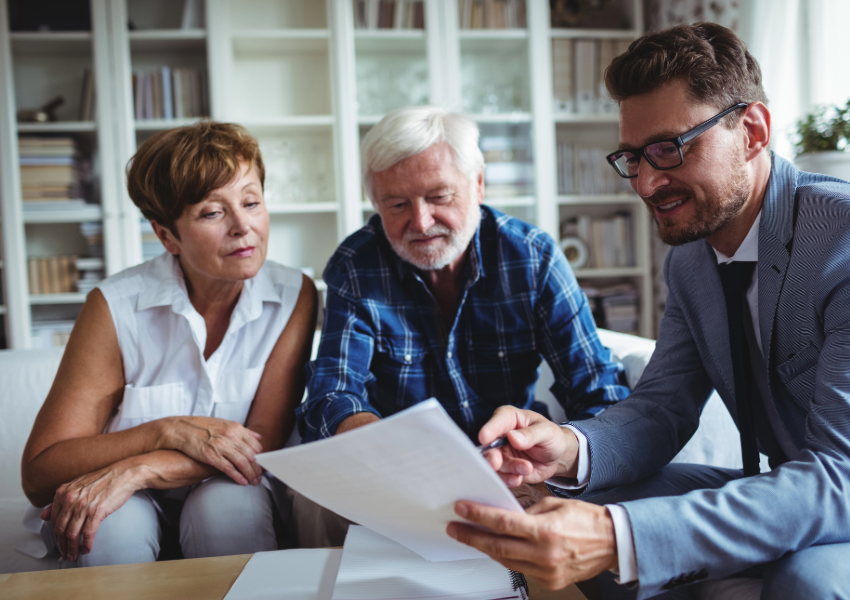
(453,245)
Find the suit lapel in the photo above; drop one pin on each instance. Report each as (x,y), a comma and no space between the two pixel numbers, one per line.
(705,281)
(775,237)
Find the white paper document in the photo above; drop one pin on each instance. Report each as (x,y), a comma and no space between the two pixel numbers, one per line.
(287,575)
(376,568)
(400,477)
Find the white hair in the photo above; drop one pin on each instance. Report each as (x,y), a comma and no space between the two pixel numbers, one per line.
(409,131)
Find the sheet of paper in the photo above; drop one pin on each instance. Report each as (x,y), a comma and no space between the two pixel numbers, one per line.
(400,476)
(287,575)
(376,568)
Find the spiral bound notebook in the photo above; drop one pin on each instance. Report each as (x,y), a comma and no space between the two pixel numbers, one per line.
(376,568)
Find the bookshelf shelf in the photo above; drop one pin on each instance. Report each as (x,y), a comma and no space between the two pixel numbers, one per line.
(289,44)
(514,117)
(584,118)
(167,39)
(281,34)
(90,264)
(389,41)
(510,202)
(57,127)
(584,199)
(160,124)
(610,273)
(77,215)
(43,299)
(599,34)
(471,35)
(50,42)
(296,122)
(302,208)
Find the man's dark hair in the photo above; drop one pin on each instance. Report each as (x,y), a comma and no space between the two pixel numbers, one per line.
(709,58)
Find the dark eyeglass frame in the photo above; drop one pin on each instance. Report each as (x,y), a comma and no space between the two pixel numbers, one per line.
(677,141)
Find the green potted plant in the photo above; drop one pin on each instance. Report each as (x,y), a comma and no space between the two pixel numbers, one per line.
(823,141)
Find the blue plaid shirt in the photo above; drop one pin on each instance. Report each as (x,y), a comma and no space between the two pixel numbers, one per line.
(385,346)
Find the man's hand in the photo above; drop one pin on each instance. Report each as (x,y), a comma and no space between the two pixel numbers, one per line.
(225,445)
(528,495)
(538,449)
(80,506)
(557,542)
(355,421)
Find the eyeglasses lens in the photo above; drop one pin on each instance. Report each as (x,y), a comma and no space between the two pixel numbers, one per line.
(626,164)
(664,154)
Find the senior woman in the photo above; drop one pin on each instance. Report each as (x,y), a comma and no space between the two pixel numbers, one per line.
(178,371)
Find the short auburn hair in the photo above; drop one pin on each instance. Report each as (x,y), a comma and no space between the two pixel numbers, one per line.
(179,167)
(709,58)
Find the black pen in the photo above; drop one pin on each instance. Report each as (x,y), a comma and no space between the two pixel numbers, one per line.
(502,441)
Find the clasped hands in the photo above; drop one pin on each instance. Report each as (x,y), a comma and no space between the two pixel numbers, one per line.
(80,505)
(556,542)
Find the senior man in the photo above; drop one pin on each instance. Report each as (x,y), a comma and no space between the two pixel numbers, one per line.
(758,308)
(441,296)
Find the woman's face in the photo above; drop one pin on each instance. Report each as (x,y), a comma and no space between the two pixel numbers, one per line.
(225,236)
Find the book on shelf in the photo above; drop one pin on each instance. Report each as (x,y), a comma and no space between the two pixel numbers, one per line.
(170,93)
(389,14)
(87,99)
(53,171)
(491,14)
(609,240)
(583,170)
(615,307)
(508,166)
(578,74)
(52,274)
(51,334)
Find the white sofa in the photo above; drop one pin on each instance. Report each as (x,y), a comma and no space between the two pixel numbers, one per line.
(27,375)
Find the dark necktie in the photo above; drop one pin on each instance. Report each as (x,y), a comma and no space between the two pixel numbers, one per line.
(735,278)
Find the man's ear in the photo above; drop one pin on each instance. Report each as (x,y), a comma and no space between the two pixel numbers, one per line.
(168,239)
(479,186)
(756,124)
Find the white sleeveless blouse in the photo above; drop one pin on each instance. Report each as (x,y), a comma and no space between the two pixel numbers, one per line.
(162,339)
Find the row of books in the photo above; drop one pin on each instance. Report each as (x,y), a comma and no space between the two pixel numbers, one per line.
(63,274)
(389,14)
(53,172)
(615,307)
(608,241)
(51,334)
(167,93)
(578,74)
(491,14)
(583,170)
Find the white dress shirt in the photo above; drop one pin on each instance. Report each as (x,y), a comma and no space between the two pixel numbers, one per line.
(748,251)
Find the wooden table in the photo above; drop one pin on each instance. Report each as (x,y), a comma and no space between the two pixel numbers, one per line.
(195,579)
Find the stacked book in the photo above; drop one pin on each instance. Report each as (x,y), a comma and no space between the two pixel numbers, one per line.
(53,176)
(578,74)
(90,273)
(508,170)
(52,274)
(166,93)
(389,14)
(491,14)
(609,240)
(583,170)
(93,233)
(615,307)
(151,246)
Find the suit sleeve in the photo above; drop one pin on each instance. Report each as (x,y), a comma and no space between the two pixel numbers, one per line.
(664,407)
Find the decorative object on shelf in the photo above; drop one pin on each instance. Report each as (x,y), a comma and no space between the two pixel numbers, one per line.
(587,14)
(491,14)
(823,141)
(44,114)
(389,14)
(193,14)
(609,240)
(575,250)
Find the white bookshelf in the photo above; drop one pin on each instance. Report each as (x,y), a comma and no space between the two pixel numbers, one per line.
(308,84)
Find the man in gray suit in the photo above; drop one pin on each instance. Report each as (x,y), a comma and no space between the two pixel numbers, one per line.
(758,308)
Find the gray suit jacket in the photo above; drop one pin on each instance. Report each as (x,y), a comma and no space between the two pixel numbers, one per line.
(804,319)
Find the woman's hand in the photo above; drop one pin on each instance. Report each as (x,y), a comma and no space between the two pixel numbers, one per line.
(225,445)
(80,506)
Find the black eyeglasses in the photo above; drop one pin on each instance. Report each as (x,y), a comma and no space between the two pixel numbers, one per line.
(664,154)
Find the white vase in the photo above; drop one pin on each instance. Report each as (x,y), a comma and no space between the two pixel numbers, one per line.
(834,162)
